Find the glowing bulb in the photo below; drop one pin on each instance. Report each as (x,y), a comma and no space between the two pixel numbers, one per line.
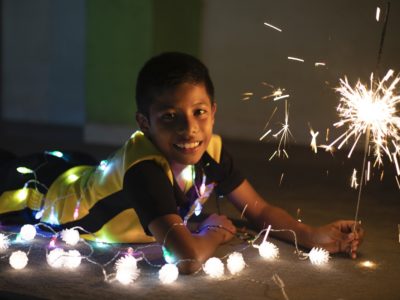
(168,256)
(70,236)
(72,178)
(22,194)
(53,219)
(214,267)
(103,165)
(18,260)
(24,170)
(52,243)
(28,232)
(318,256)
(55,153)
(268,250)
(72,259)
(127,271)
(55,258)
(235,263)
(168,273)
(198,208)
(39,214)
(187,173)
(4,242)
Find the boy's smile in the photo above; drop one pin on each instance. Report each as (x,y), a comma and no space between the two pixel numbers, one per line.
(180,123)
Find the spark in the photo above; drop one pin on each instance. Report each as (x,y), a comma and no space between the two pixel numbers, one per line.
(247,96)
(368,170)
(378,13)
(295,58)
(354,183)
(266,124)
(398,228)
(281,97)
(243,211)
(273,27)
(264,135)
(327,135)
(284,134)
(319,64)
(370,111)
(397,180)
(280,181)
(314,140)
(298,215)
(276,93)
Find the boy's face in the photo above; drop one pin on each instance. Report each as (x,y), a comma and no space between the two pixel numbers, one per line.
(180,123)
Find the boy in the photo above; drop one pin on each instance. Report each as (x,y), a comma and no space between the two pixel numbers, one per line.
(163,174)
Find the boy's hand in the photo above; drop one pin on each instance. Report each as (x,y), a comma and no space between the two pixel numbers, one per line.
(340,236)
(220,224)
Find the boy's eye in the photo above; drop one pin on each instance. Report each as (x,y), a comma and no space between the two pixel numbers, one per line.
(199,112)
(168,116)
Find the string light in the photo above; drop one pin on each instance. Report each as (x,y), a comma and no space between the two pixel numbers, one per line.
(168,273)
(127,271)
(318,256)
(235,263)
(70,236)
(55,258)
(18,260)
(28,232)
(4,242)
(72,259)
(214,267)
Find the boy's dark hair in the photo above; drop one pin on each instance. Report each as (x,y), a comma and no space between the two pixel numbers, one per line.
(165,72)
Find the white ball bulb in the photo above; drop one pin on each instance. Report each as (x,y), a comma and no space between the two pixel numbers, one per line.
(318,256)
(55,258)
(28,232)
(127,271)
(268,250)
(72,259)
(168,273)
(4,242)
(235,262)
(18,260)
(70,236)
(214,267)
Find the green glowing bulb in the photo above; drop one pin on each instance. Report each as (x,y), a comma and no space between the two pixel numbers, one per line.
(168,256)
(24,170)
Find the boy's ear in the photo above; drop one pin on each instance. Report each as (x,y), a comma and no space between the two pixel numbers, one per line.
(142,122)
(213,110)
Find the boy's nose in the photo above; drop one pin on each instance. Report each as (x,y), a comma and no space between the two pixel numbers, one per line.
(187,126)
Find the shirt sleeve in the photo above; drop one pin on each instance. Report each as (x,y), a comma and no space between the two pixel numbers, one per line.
(229,177)
(148,188)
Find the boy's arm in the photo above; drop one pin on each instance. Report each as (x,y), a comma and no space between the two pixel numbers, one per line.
(334,237)
(192,249)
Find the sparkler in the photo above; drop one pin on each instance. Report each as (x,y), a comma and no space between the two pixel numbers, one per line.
(370,112)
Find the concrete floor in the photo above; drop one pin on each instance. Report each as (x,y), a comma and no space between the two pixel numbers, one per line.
(318,184)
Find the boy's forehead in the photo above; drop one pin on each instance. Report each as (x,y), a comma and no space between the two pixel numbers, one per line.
(187,94)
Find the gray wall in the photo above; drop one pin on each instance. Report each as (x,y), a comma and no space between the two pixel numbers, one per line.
(242,52)
(43,61)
